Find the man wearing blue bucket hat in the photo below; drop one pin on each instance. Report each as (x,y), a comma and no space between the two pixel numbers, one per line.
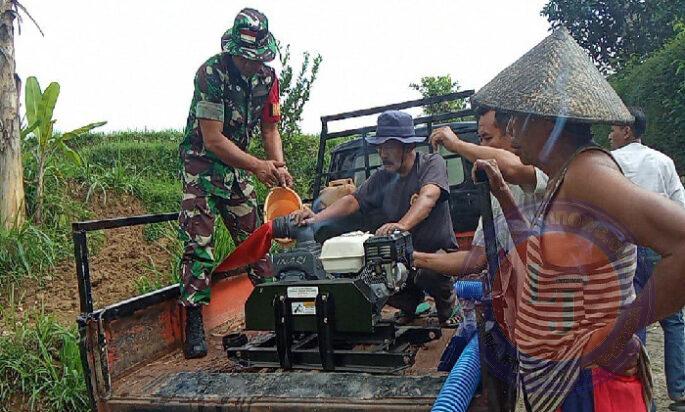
(410,191)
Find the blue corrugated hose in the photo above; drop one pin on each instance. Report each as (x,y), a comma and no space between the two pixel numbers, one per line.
(469,289)
(461,383)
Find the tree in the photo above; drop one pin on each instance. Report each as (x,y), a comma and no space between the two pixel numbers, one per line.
(294,92)
(40,106)
(431,86)
(300,150)
(658,86)
(616,31)
(12,200)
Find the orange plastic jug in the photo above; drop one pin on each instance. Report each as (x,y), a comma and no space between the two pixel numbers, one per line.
(336,190)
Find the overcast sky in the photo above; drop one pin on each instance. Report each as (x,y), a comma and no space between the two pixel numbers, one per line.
(132,62)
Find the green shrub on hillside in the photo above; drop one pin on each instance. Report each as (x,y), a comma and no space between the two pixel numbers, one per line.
(155,155)
(658,86)
(160,196)
(28,251)
(155,277)
(62,207)
(90,139)
(31,250)
(152,159)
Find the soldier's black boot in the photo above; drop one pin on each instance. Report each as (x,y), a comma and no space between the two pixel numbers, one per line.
(194,345)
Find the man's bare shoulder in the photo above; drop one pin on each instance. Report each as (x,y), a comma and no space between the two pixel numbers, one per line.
(590,162)
(591,171)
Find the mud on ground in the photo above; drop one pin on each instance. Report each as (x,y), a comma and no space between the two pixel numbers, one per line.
(655,347)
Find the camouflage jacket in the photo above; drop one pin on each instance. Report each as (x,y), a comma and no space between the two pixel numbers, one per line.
(223,94)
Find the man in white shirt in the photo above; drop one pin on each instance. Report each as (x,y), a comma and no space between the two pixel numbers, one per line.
(654,171)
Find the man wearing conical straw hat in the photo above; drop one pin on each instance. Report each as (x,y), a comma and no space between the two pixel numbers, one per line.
(577,310)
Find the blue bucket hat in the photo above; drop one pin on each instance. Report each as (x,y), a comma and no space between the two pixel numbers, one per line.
(393,124)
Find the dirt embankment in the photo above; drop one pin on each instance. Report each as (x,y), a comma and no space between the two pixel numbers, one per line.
(124,257)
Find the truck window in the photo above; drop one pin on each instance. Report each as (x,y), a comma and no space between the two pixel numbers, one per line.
(455,168)
(360,177)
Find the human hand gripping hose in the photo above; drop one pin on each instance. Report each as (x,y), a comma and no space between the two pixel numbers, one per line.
(461,383)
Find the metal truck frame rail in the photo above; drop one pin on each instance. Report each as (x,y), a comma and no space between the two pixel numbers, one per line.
(87,313)
(430,121)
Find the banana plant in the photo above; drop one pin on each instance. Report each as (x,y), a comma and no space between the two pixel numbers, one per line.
(40,105)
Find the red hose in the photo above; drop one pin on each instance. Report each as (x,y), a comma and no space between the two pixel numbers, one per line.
(255,247)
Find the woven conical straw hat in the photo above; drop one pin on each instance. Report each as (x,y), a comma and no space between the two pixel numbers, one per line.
(555,79)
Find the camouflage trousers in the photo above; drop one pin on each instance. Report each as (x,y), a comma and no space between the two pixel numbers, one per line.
(196,231)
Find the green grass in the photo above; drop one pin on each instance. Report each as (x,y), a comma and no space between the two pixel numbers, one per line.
(160,196)
(27,252)
(156,278)
(40,362)
(127,136)
(154,160)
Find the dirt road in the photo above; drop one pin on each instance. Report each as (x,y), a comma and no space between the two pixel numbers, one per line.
(655,347)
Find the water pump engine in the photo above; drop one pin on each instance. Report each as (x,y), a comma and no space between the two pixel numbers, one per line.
(329,297)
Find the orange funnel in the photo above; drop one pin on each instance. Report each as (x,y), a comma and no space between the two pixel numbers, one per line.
(281,201)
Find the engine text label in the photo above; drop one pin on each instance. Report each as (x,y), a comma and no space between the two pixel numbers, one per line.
(306,292)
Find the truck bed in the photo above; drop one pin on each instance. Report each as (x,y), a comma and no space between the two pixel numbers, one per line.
(157,377)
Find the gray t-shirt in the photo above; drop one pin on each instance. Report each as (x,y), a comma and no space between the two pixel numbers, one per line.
(392,195)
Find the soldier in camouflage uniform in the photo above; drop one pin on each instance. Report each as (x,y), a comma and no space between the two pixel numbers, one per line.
(234,92)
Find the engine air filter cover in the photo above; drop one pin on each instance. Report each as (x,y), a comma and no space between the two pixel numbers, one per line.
(345,253)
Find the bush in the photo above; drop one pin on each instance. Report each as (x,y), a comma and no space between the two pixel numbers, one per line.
(157,160)
(128,136)
(62,206)
(40,363)
(28,252)
(154,155)
(658,86)
(154,277)
(160,196)
(148,170)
